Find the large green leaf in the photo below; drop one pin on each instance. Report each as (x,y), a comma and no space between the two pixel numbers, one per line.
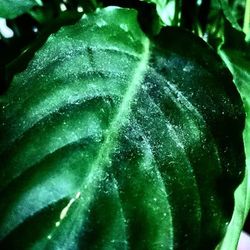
(238,63)
(110,140)
(14,8)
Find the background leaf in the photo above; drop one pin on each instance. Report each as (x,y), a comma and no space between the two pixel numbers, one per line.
(107,134)
(14,8)
(165,10)
(234,12)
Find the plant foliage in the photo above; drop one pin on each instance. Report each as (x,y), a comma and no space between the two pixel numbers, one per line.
(117,132)
(13,8)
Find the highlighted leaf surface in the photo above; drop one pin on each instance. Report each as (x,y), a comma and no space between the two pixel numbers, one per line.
(110,140)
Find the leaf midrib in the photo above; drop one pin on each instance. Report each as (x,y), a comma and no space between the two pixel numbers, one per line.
(119,120)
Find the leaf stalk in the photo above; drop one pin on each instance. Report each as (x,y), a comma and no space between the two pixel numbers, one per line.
(246,26)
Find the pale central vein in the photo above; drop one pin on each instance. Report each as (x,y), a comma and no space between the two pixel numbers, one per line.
(102,162)
(124,108)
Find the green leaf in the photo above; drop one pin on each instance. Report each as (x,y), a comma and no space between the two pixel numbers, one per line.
(165,10)
(246,25)
(13,8)
(110,140)
(234,12)
(239,63)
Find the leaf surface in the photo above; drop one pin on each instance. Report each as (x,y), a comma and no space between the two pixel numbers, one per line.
(234,11)
(110,140)
(13,8)
(165,9)
(238,63)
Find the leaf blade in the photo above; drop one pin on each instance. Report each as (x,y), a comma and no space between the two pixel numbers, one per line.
(238,64)
(11,8)
(115,125)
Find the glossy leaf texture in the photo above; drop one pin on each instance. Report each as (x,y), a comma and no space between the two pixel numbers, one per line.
(238,63)
(112,140)
(13,8)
